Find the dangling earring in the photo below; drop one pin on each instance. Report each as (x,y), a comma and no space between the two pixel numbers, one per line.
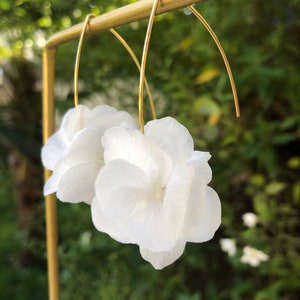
(77,60)
(133,56)
(126,46)
(222,52)
(143,64)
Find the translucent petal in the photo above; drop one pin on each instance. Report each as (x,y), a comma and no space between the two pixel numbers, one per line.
(51,185)
(150,230)
(160,260)
(54,149)
(104,116)
(77,183)
(124,193)
(199,160)
(108,202)
(203,213)
(66,118)
(177,196)
(120,187)
(172,137)
(85,148)
(136,148)
(98,115)
(114,228)
(127,200)
(118,144)
(74,120)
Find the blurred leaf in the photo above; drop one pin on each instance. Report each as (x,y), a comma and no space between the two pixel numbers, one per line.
(258,180)
(261,207)
(44,22)
(206,106)
(207,75)
(186,43)
(275,188)
(213,119)
(289,122)
(283,138)
(296,193)
(251,150)
(5,5)
(294,162)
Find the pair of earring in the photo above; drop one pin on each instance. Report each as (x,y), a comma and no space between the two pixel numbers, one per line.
(142,66)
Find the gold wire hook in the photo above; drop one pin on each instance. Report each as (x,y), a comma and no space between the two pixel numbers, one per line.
(126,46)
(133,56)
(222,52)
(76,69)
(143,65)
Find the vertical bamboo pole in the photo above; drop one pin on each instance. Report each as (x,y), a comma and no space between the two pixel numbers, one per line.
(50,200)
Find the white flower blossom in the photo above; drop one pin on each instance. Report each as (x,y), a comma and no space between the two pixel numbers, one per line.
(75,152)
(228,246)
(250,219)
(153,191)
(253,257)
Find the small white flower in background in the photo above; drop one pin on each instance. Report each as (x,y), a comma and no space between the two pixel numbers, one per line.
(228,246)
(75,153)
(250,219)
(153,191)
(253,257)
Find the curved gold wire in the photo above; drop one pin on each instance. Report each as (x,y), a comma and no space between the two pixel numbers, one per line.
(133,56)
(126,46)
(76,69)
(222,52)
(143,64)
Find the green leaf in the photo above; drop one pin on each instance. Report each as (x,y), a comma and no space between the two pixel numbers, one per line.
(261,207)
(207,75)
(296,193)
(258,180)
(289,122)
(284,138)
(206,106)
(294,162)
(274,188)
(44,22)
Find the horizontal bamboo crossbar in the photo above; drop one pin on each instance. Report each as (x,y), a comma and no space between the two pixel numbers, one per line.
(124,15)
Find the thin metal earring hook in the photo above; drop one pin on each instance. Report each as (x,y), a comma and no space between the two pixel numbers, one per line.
(222,52)
(136,61)
(126,46)
(76,69)
(143,64)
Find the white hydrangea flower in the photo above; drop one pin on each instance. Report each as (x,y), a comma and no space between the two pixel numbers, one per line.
(228,246)
(253,257)
(250,219)
(153,191)
(75,152)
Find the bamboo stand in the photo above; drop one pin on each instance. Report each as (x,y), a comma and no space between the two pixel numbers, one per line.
(124,15)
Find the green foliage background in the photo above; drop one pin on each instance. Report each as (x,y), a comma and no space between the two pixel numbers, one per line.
(255,159)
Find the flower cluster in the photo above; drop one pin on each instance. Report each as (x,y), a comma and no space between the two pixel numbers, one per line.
(75,153)
(147,189)
(228,246)
(251,256)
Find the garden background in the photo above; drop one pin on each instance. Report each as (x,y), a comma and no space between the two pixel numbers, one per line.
(255,159)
